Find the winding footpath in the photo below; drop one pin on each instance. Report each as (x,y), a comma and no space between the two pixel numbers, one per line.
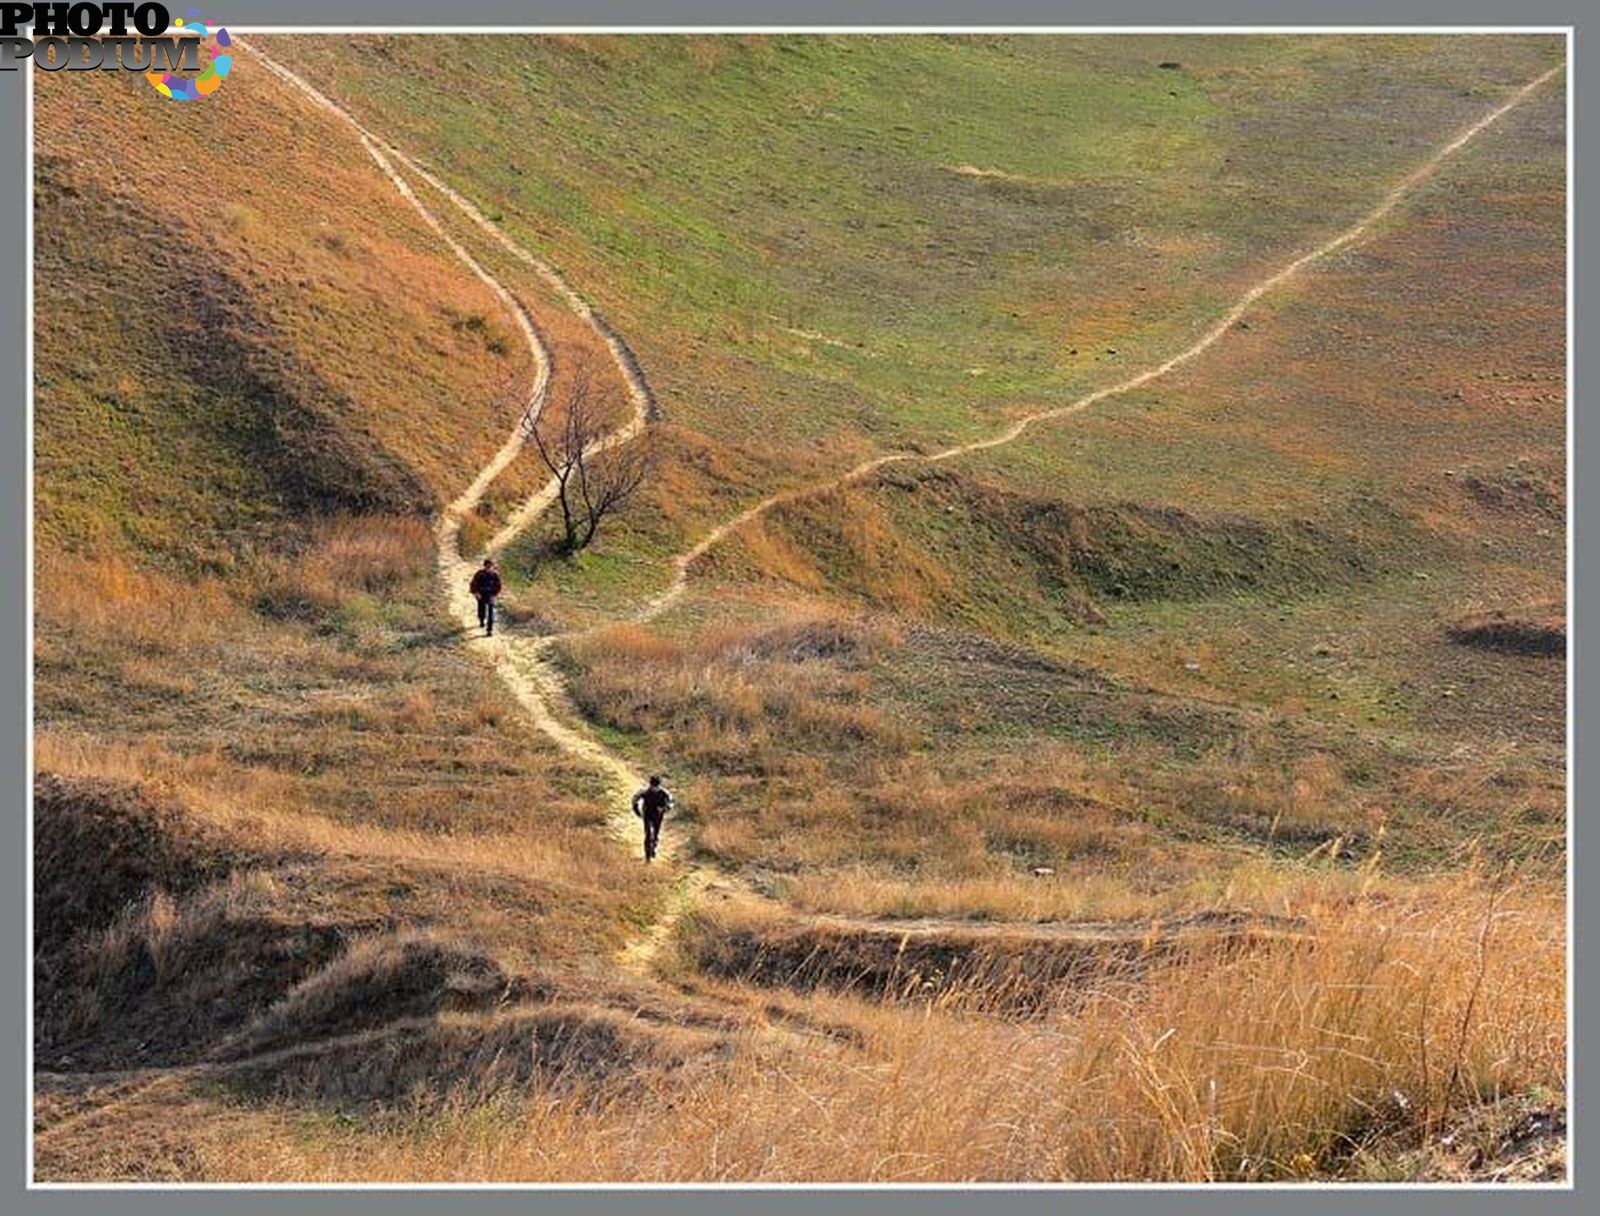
(523,663)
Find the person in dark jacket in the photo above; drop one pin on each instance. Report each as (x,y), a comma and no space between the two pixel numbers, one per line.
(485,586)
(651,804)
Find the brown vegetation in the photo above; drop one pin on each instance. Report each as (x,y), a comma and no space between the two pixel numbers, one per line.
(1333,1054)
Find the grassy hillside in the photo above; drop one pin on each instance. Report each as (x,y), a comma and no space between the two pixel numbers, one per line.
(216,364)
(717,197)
(1044,770)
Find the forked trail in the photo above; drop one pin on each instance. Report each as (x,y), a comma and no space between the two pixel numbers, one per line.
(523,663)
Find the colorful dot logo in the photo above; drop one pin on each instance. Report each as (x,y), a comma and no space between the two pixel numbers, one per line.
(215,60)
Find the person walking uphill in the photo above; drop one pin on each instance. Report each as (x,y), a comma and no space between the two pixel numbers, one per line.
(651,804)
(485,586)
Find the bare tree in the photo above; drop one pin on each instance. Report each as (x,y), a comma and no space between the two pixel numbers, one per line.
(592,481)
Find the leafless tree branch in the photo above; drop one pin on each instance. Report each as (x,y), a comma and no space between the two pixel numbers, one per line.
(591,484)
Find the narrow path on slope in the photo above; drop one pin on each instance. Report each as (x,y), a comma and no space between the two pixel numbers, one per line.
(140,1082)
(641,953)
(684,561)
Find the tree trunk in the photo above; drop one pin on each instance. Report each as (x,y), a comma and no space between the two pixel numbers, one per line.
(570,543)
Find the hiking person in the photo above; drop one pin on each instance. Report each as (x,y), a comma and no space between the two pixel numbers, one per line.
(485,586)
(651,804)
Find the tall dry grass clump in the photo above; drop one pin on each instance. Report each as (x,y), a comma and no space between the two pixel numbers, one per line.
(111,600)
(346,556)
(1376,1028)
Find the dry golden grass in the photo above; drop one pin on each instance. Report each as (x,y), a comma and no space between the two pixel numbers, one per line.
(739,698)
(1255,885)
(105,599)
(306,680)
(854,767)
(111,598)
(475,534)
(344,556)
(160,929)
(1294,1059)
(335,721)
(275,811)
(323,289)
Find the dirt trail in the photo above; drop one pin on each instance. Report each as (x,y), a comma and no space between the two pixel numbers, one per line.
(645,407)
(1180,926)
(524,664)
(684,561)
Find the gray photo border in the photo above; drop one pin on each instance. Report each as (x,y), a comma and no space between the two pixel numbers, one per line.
(15,619)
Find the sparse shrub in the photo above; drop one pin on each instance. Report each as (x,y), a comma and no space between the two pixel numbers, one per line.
(593,483)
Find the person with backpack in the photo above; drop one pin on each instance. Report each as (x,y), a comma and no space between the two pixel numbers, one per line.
(485,586)
(651,804)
